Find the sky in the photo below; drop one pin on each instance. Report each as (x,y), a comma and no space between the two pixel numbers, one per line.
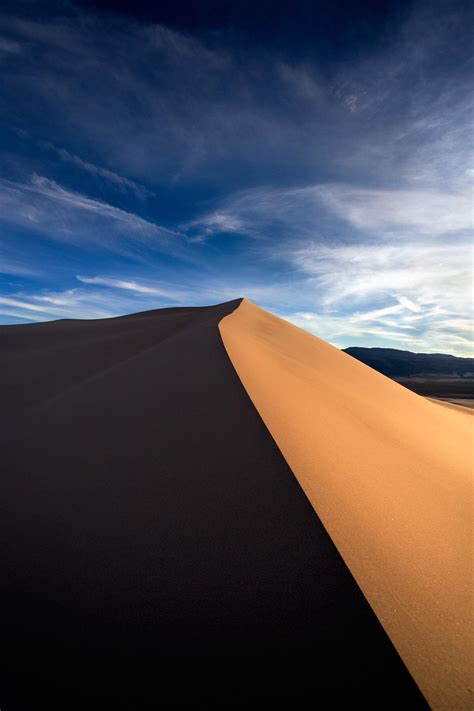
(315,157)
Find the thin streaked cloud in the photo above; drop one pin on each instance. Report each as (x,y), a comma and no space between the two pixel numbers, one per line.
(128,285)
(6,301)
(42,205)
(118,181)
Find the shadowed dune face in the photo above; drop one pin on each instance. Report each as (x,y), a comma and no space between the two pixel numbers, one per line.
(146,512)
(40,361)
(390,475)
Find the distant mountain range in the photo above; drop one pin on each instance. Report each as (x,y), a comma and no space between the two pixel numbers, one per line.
(403,364)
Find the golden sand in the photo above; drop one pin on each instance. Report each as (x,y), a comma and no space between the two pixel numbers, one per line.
(389,473)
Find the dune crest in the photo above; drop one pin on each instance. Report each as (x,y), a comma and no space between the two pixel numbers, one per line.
(389,474)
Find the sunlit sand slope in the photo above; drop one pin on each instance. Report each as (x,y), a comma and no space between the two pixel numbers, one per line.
(388,473)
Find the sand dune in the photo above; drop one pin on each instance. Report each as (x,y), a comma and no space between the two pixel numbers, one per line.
(389,473)
(151,509)
(149,521)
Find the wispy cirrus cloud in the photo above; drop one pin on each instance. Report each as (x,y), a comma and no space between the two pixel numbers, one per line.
(118,181)
(56,193)
(68,303)
(429,213)
(398,112)
(169,95)
(15,265)
(129,285)
(299,210)
(6,301)
(42,205)
(344,330)
(418,274)
(424,292)
(260,213)
(210,289)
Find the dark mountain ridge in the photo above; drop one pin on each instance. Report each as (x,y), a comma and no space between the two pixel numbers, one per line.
(397,363)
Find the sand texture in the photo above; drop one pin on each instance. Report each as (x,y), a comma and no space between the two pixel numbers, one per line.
(149,522)
(389,473)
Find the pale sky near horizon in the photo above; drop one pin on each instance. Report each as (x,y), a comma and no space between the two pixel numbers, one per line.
(315,157)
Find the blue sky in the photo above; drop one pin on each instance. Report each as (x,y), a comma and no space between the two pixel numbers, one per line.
(316,158)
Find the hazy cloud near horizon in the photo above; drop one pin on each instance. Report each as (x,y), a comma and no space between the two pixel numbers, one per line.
(327,177)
